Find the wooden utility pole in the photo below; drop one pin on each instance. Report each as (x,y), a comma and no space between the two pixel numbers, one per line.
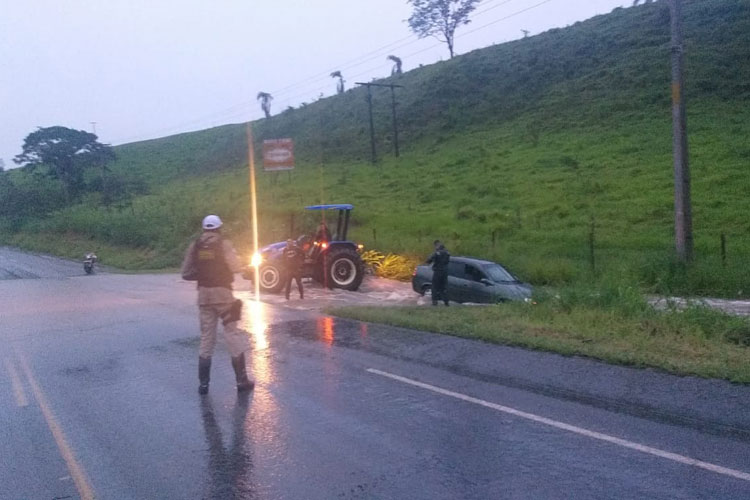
(395,122)
(683,211)
(374,156)
(393,109)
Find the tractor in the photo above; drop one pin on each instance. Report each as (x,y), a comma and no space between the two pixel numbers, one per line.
(335,263)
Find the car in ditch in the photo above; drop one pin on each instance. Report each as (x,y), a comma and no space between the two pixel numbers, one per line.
(474,280)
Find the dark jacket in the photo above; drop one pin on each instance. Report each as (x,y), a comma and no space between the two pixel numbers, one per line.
(439,260)
(293,258)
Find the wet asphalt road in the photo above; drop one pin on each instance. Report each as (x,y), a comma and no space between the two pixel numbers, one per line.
(98,400)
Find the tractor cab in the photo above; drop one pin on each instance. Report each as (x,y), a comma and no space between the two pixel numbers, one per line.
(323,238)
(342,222)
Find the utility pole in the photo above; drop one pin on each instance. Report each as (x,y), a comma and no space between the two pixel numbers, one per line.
(395,122)
(374,156)
(93,127)
(683,210)
(393,110)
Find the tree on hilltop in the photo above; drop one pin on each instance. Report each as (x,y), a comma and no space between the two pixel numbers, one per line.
(67,153)
(340,83)
(396,65)
(265,102)
(440,18)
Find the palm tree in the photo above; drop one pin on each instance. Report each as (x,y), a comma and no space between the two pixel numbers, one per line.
(265,102)
(396,65)
(340,84)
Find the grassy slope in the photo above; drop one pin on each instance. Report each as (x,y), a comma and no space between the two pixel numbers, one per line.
(528,140)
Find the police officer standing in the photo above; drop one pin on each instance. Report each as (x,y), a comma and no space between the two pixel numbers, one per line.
(439,260)
(211,261)
(293,259)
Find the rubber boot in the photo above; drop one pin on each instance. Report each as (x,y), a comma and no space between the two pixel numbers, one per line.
(240,373)
(204,374)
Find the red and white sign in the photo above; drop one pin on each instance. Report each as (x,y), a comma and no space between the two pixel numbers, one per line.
(278,154)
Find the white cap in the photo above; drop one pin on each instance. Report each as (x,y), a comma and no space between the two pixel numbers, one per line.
(211,222)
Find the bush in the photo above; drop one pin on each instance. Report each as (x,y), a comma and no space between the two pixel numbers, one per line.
(391,266)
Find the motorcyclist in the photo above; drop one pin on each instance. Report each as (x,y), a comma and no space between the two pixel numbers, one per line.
(211,261)
(439,260)
(293,259)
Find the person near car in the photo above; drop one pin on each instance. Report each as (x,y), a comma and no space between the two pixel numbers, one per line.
(211,261)
(439,260)
(293,260)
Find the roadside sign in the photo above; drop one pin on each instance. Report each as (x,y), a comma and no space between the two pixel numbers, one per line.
(278,154)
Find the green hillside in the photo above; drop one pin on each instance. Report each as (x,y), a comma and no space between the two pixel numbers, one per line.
(511,152)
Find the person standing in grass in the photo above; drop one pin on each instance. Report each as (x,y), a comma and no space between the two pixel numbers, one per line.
(439,260)
(211,261)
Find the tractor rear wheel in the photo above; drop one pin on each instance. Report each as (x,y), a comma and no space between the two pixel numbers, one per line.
(344,269)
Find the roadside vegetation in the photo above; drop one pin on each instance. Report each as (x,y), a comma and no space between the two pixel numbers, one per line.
(611,323)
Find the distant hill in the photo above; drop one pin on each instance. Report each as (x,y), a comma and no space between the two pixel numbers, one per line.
(509,152)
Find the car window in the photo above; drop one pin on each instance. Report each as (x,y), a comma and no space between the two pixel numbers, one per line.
(456,269)
(474,273)
(498,274)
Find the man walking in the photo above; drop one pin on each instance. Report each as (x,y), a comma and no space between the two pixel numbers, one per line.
(439,260)
(211,261)
(293,259)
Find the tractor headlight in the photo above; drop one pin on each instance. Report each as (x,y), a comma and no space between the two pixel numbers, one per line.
(256,260)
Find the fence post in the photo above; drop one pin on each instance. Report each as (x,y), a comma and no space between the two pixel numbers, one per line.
(375,235)
(723,250)
(592,235)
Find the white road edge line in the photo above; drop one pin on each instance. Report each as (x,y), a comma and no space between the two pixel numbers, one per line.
(572,428)
(15,382)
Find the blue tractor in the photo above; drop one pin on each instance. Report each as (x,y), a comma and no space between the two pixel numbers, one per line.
(335,263)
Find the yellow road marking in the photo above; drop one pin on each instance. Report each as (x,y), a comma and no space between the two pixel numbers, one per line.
(76,470)
(15,381)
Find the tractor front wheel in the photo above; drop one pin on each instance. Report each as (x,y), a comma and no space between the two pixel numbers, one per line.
(344,269)
(269,276)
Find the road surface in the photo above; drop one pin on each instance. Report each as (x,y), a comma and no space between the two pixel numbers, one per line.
(98,399)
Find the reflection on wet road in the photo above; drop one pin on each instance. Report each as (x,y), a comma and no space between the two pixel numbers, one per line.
(230,464)
(114,358)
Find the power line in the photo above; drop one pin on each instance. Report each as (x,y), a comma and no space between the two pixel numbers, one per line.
(375,54)
(236,109)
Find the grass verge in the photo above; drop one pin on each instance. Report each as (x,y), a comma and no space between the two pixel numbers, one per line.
(614,324)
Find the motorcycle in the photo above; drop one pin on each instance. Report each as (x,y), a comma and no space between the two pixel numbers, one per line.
(88,262)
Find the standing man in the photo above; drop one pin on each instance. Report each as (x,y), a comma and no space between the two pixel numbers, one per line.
(293,259)
(439,260)
(211,261)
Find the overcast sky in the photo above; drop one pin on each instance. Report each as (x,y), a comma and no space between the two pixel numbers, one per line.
(143,69)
